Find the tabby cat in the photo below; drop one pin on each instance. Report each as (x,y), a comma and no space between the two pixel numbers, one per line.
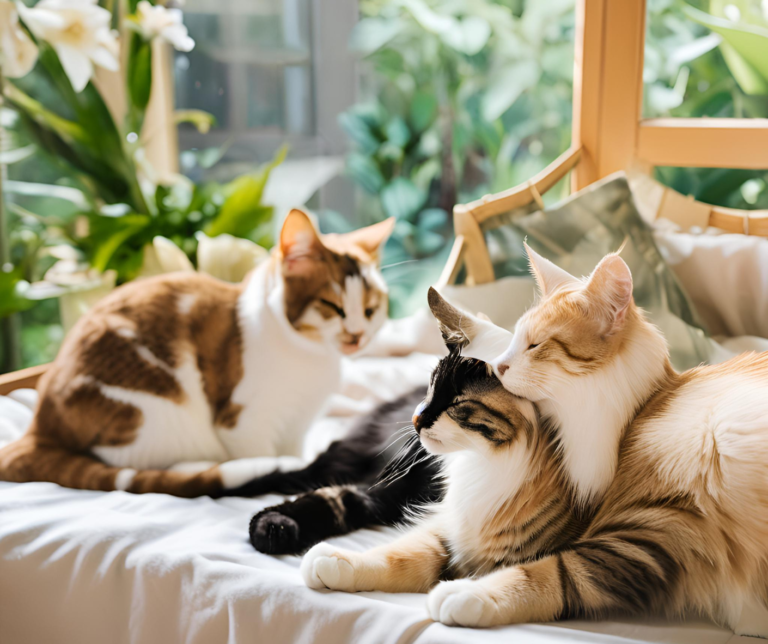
(674,465)
(169,379)
(378,482)
(507,500)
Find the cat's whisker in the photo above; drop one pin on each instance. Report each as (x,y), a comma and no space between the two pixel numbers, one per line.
(407,261)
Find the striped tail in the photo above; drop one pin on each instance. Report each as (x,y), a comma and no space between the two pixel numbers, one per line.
(27,460)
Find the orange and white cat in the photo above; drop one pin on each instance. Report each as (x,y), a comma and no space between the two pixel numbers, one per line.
(672,468)
(186,385)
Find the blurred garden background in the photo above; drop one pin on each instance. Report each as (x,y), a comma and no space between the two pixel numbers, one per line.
(401,108)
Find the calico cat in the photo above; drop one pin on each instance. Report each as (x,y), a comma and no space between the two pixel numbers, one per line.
(674,465)
(169,379)
(679,462)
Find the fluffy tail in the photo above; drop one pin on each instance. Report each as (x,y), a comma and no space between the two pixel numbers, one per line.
(26,460)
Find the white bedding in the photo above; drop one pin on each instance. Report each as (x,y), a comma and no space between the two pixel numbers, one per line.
(104,568)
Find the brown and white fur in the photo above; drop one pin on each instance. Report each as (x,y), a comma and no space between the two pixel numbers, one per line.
(675,465)
(190,386)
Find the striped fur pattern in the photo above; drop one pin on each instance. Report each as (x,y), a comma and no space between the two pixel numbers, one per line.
(506,498)
(186,385)
(672,468)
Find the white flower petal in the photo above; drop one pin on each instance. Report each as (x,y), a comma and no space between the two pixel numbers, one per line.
(76,65)
(228,258)
(104,58)
(159,22)
(79,31)
(18,54)
(170,256)
(40,21)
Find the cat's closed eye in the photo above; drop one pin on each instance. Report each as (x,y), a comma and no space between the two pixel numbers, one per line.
(532,346)
(339,311)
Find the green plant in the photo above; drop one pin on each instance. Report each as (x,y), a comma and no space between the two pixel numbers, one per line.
(97,202)
(465,97)
(692,71)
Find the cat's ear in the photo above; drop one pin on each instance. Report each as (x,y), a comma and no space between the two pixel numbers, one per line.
(371,239)
(476,336)
(548,276)
(457,327)
(300,243)
(610,288)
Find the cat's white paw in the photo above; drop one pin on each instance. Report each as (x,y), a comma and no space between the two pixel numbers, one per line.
(461,603)
(325,567)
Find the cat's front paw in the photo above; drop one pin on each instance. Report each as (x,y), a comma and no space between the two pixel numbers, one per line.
(326,567)
(462,603)
(274,533)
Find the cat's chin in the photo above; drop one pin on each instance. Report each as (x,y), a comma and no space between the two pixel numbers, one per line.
(350,349)
(434,446)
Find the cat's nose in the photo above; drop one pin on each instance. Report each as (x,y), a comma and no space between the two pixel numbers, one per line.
(502,369)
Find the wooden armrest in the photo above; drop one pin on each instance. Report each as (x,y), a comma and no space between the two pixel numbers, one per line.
(23,379)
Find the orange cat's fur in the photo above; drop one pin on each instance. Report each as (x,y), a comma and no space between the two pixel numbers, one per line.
(674,466)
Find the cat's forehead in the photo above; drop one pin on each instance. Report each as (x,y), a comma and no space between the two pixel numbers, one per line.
(559,311)
(342,246)
(456,374)
(350,274)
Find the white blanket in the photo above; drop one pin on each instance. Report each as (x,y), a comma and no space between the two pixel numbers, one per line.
(98,568)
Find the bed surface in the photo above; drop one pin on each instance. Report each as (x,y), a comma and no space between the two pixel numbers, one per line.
(96,568)
(92,567)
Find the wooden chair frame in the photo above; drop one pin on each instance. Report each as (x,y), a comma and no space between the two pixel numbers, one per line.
(609,134)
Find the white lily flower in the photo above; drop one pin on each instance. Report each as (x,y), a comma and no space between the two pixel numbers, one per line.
(228,258)
(163,256)
(158,22)
(224,257)
(79,31)
(18,54)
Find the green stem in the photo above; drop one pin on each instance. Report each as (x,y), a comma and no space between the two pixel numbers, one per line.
(10,329)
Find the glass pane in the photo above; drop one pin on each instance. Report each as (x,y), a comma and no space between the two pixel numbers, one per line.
(706,58)
(252,66)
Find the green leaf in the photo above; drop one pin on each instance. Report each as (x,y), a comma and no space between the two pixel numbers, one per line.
(397,132)
(139,75)
(428,242)
(27,188)
(364,171)
(371,34)
(506,86)
(203,121)
(358,129)
(423,110)
(468,36)
(16,155)
(108,234)
(432,218)
(68,131)
(103,155)
(402,199)
(12,289)
(744,47)
(242,210)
